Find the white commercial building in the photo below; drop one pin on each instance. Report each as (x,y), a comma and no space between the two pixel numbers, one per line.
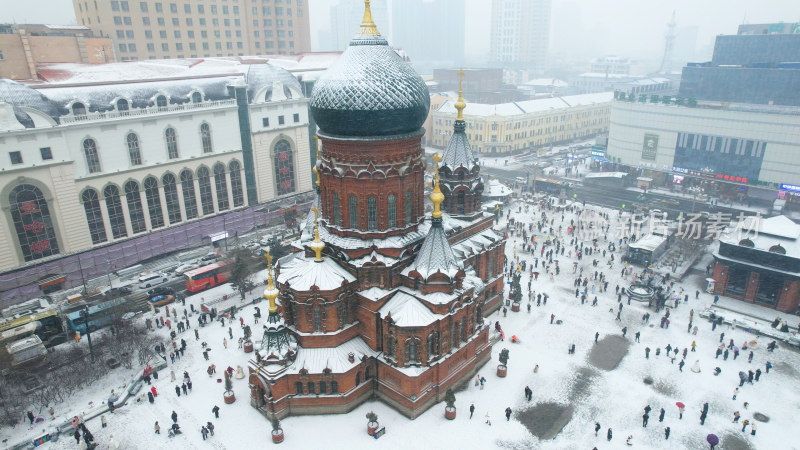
(755,145)
(120,162)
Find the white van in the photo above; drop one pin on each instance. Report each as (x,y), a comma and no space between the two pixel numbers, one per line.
(152,279)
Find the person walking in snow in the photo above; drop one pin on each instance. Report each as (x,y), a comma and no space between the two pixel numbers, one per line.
(215,410)
(174,417)
(645,418)
(177,390)
(647,353)
(528,393)
(666,433)
(508,414)
(596,428)
(157,428)
(471,410)
(609,434)
(225,342)
(661,415)
(488,420)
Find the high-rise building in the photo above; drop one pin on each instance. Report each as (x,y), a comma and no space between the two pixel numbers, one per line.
(520,33)
(430,32)
(151,29)
(24,47)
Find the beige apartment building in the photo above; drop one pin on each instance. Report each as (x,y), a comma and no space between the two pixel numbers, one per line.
(23,47)
(512,127)
(198,28)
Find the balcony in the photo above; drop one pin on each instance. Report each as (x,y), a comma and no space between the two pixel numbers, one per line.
(155,110)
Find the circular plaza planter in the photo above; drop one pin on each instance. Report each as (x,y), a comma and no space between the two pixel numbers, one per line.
(229,397)
(248,346)
(515,307)
(450,413)
(502,371)
(372,428)
(277,436)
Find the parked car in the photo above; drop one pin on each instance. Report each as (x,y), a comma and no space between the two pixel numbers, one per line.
(152,279)
(186,267)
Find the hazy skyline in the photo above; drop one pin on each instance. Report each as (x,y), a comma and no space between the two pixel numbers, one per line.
(580,28)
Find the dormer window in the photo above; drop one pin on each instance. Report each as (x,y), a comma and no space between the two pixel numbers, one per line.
(122,105)
(78,109)
(161,101)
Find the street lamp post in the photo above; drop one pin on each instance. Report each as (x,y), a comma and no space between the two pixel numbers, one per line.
(85,316)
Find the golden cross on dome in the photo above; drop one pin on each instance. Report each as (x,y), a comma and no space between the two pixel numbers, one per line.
(367,24)
(460,105)
(316,214)
(436,196)
(269,265)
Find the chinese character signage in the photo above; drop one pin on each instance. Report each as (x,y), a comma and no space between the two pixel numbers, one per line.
(650,147)
(790,187)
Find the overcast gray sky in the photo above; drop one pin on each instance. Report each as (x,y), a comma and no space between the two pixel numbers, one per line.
(633,28)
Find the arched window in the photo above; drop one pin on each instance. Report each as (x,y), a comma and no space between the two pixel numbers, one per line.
(135,207)
(116,215)
(460,202)
(197,97)
(391,210)
(171,197)
(161,101)
(172,143)
(337,210)
(368,373)
(122,106)
(463,330)
(32,222)
(90,151)
(453,336)
(490,269)
(433,344)
(409,206)
(747,243)
(778,248)
(298,386)
(412,352)
(284,168)
(189,199)
(221,183)
(317,318)
(391,345)
(78,109)
(134,154)
(323,388)
(205,136)
(236,183)
(204,181)
(341,313)
(358,378)
(94,216)
(311,388)
(372,213)
(352,206)
(153,202)
(334,387)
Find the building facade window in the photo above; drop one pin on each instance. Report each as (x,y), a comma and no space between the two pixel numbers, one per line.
(32,222)
(372,213)
(433,344)
(205,136)
(412,352)
(323,388)
(334,387)
(171,198)
(122,105)
(116,215)
(284,168)
(337,213)
(298,388)
(236,183)
(172,142)
(317,318)
(310,385)
(352,207)
(134,153)
(189,199)
(391,210)
(197,97)
(408,207)
(221,183)
(94,216)
(153,198)
(135,209)
(161,101)
(92,159)
(391,345)
(204,181)
(78,109)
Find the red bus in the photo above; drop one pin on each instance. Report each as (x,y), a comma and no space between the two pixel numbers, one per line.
(207,276)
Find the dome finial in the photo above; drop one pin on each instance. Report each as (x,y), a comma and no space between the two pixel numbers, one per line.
(317,245)
(367,24)
(460,105)
(314,169)
(270,293)
(436,196)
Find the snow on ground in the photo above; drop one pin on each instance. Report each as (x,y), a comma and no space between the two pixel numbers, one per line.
(614,398)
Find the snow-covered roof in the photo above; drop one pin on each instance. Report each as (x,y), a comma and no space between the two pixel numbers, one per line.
(407,311)
(301,273)
(605,175)
(778,230)
(528,106)
(316,360)
(377,257)
(476,243)
(458,152)
(649,242)
(548,82)
(435,255)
